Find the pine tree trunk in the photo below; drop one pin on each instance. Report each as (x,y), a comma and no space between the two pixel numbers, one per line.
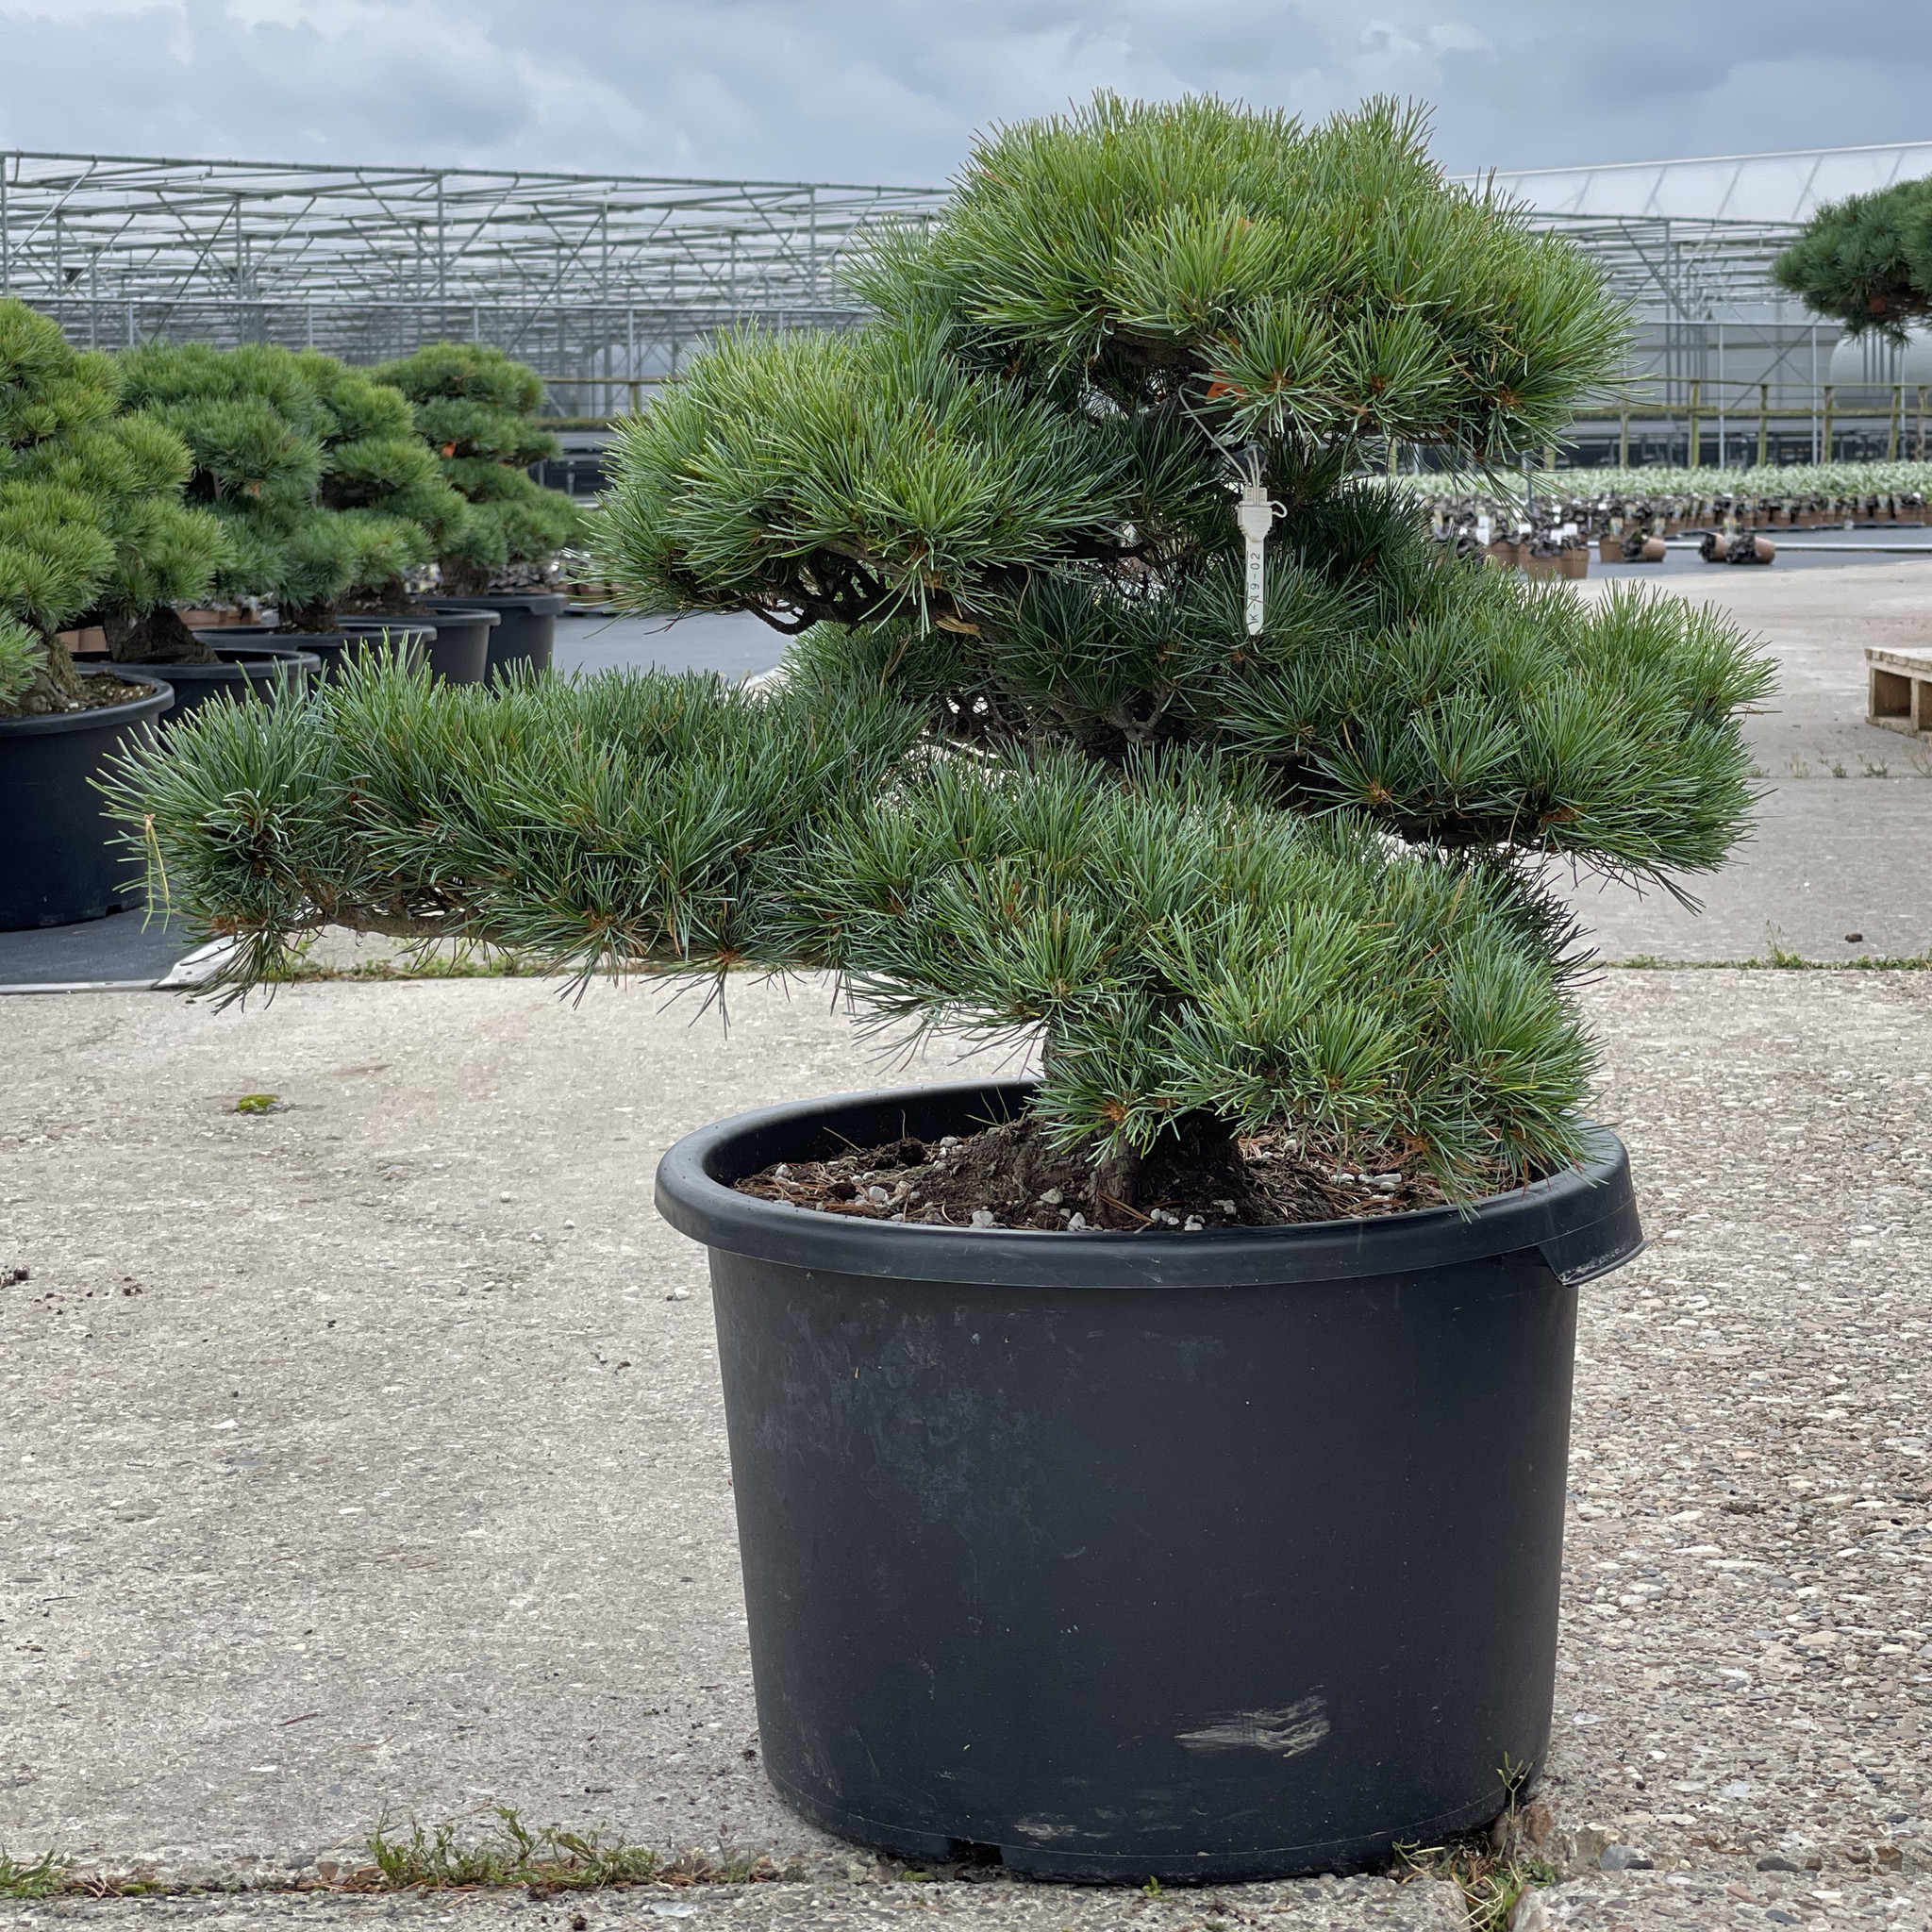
(159,638)
(1127,1183)
(463,578)
(56,686)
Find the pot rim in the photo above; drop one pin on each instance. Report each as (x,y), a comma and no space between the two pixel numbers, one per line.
(485,617)
(1583,1219)
(536,603)
(289,643)
(156,700)
(253,661)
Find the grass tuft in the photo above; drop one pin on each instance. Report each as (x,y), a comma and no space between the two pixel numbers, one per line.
(1492,1868)
(546,1861)
(47,1876)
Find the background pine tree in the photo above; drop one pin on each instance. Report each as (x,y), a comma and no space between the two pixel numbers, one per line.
(93,528)
(478,411)
(1866,261)
(327,494)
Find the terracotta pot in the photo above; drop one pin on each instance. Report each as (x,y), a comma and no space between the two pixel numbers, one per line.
(1572,562)
(218,619)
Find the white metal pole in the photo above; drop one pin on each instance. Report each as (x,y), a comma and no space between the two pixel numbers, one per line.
(1720,395)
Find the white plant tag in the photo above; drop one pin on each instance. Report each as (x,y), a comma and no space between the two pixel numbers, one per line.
(1256,515)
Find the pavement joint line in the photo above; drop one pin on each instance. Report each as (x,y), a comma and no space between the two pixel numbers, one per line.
(88,986)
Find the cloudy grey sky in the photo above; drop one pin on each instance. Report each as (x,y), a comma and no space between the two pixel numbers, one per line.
(891,89)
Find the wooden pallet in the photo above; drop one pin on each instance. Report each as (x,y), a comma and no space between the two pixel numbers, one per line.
(1899,689)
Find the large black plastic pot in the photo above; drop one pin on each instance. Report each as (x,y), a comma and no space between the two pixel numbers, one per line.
(58,860)
(461,648)
(256,668)
(528,634)
(1192,1557)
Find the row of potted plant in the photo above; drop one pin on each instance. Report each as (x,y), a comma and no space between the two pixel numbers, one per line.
(1666,502)
(151,500)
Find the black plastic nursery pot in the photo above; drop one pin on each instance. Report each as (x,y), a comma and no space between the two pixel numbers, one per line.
(62,862)
(256,667)
(331,650)
(362,638)
(459,649)
(528,634)
(1194,1556)
(459,645)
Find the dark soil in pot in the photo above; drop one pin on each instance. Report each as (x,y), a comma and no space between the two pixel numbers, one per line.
(62,860)
(1009,1175)
(1215,1555)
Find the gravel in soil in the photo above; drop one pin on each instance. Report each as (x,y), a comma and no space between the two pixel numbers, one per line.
(91,692)
(1009,1176)
(102,689)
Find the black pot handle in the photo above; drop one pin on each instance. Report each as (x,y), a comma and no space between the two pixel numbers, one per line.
(1582,1253)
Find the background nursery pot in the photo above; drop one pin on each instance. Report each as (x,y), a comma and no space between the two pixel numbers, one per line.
(528,634)
(62,860)
(256,667)
(331,650)
(458,640)
(1196,1556)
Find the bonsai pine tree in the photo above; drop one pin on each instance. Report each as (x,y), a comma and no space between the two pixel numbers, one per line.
(1866,261)
(384,480)
(93,530)
(478,408)
(1248,844)
(308,464)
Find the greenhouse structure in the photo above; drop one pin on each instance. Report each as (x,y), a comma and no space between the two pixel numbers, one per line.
(604,282)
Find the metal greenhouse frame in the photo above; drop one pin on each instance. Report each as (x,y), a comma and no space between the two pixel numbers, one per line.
(603,282)
(603,279)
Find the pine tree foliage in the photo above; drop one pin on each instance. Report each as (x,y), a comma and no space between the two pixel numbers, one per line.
(21,657)
(1029,774)
(314,468)
(478,411)
(93,528)
(382,478)
(642,812)
(1866,261)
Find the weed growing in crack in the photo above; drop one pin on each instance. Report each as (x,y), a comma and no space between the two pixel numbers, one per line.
(546,1861)
(47,1876)
(551,1859)
(1491,1869)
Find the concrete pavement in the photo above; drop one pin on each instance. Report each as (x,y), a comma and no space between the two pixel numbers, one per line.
(363,1457)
